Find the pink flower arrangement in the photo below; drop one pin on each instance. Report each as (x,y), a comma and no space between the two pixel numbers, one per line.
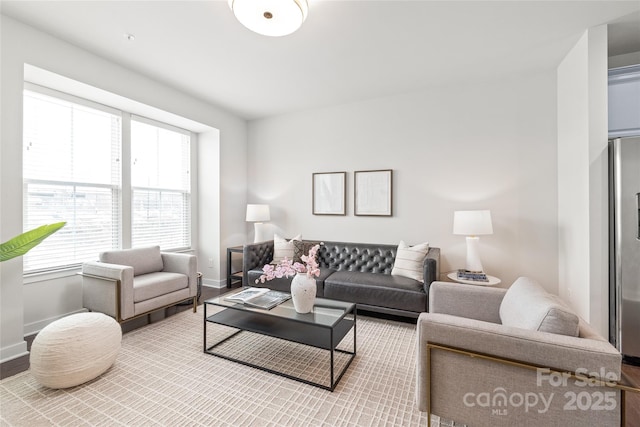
(287,268)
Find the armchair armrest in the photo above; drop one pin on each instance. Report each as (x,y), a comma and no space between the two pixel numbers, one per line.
(431,268)
(184,264)
(473,302)
(540,348)
(103,284)
(255,255)
(123,273)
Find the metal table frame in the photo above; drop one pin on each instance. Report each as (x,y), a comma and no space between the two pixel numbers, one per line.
(294,329)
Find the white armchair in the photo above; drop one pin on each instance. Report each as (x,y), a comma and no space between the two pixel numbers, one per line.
(497,357)
(129,283)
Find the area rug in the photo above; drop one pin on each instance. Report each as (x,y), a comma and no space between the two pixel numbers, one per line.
(162,378)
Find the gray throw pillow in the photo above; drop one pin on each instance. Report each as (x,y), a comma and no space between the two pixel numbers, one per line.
(301,248)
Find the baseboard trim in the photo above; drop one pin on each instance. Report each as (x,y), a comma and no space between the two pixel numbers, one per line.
(13,351)
(14,366)
(35,327)
(631,360)
(219,284)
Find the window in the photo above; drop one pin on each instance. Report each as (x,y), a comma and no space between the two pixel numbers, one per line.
(161,183)
(73,171)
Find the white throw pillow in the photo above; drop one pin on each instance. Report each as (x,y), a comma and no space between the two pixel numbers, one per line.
(527,305)
(282,248)
(409,261)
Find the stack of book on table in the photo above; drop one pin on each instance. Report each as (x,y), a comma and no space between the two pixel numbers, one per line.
(477,276)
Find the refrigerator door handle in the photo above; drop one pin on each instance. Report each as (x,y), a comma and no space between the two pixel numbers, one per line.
(638,216)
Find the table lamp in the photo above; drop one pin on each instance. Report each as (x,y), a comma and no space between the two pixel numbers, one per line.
(257,214)
(472,224)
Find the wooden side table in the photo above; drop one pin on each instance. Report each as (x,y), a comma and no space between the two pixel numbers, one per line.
(493,281)
(233,277)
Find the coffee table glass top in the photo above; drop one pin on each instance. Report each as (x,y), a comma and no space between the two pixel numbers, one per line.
(325,312)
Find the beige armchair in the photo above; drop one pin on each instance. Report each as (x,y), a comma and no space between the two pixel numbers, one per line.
(133,282)
(497,357)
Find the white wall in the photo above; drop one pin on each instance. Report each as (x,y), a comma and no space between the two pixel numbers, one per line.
(47,300)
(470,146)
(582,178)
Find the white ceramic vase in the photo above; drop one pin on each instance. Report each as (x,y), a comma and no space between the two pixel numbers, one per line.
(303,292)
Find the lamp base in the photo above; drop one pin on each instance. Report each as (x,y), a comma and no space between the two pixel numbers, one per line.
(259,232)
(473,254)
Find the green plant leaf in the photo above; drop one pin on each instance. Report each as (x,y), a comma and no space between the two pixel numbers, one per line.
(24,242)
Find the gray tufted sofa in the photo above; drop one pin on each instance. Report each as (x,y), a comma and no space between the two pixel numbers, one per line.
(355,272)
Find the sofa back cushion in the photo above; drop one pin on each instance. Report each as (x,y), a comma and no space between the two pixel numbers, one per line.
(143,260)
(527,305)
(363,257)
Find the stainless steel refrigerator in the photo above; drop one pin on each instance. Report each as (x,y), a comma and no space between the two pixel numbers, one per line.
(624,248)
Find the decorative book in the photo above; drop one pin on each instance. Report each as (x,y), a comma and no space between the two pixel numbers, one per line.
(472,275)
(264,298)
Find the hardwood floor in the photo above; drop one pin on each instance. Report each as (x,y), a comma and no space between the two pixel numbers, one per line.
(632,400)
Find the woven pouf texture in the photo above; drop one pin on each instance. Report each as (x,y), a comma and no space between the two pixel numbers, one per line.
(75,349)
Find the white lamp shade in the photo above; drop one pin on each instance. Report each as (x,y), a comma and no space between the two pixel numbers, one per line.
(270,17)
(472,223)
(258,213)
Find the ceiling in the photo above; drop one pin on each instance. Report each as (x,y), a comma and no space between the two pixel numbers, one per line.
(346,51)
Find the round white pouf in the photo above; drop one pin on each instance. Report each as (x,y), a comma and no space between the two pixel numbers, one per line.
(75,349)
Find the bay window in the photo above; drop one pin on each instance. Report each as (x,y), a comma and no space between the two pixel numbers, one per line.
(73,171)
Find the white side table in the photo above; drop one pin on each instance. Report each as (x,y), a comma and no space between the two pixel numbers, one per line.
(493,281)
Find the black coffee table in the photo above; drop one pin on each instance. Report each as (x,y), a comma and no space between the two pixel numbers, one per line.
(324,328)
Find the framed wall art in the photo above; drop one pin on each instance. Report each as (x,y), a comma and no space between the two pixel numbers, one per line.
(373,192)
(329,193)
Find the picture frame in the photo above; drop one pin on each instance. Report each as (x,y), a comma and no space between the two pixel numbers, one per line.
(373,192)
(329,195)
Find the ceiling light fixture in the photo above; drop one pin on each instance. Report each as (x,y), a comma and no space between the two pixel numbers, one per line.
(270,17)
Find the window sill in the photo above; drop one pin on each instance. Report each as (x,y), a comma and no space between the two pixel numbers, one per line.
(45,276)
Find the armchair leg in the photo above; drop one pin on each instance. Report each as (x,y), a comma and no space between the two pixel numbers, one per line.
(195,304)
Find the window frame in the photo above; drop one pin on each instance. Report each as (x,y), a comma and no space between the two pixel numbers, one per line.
(125,189)
(185,193)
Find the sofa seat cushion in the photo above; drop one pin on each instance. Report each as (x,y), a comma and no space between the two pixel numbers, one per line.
(527,305)
(284,284)
(376,289)
(143,260)
(153,285)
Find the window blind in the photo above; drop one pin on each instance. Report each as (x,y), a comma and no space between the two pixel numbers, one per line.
(72,173)
(161,185)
